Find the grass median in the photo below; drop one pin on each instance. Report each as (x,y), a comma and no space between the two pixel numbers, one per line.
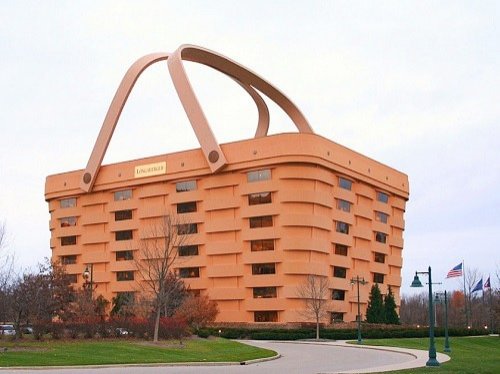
(109,352)
(469,354)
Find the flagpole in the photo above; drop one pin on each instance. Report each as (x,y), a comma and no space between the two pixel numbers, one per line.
(465,297)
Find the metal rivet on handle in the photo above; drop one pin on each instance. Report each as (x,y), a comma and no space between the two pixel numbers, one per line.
(213,156)
(86,178)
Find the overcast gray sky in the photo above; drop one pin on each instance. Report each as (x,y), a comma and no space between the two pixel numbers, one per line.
(412,84)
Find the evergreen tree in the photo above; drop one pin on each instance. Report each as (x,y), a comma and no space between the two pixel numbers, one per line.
(391,316)
(375,312)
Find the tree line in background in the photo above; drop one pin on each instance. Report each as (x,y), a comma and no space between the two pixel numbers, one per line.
(45,299)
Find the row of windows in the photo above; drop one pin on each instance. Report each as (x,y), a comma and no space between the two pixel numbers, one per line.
(252,176)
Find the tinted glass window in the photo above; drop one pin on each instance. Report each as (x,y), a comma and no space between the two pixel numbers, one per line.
(123,235)
(378,278)
(124,255)
(346,184)
(124,276)
(259,198)
(382,197)
(187,228)
(185,186)
(337,317)
(262,245)
(188,207)
(68,203)
(343,205)
(123,215)
(188,250)
(339,272)
(341,249)
(68,260)
(338,294)
(342,227)
(259,175)
(68,240)
(379,257)
(67,221)
(264,292)
(123,195)
(381,217)
(262,221)
(266,316)
(258,269)
(189,272)
(380,237)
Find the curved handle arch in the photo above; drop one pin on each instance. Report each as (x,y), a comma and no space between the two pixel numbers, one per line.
(118,103)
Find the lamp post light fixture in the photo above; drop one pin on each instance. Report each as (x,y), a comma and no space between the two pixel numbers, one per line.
(88,276)
(432,361)
(358,281)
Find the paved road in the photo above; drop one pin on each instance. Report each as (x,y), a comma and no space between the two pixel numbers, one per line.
(303,358)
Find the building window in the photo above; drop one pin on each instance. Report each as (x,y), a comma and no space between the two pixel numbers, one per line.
(262,221)
(380,237)
(123,195)
(68,240)
(262,245)
(188,250)
(342,227)
(123,215)
(127,297)
(265,316)
(338,295)
(346,184)
(339,272)
(264,292)
(187,228)
(381,217)
(123,235)
(259,175)
(122,276)
(71,278)
(67,221)
(379,257)
(68,203)
(258,269)
(186,207)
(378,278)
(189,272)
(341,249)
(259,198)
(343,205)
(185,186)
(68,260)
(336,317)
(382,197)
(124,255)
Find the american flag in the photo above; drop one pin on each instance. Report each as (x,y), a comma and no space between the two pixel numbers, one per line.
(455,272)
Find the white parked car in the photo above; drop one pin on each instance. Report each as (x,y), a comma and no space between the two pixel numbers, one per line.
(7,330)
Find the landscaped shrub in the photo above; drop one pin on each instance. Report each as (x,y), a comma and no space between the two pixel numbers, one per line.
(173,328)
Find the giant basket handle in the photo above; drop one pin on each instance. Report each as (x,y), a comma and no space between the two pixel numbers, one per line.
(210,147)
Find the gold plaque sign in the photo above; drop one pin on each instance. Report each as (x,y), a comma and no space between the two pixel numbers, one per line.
(149,170)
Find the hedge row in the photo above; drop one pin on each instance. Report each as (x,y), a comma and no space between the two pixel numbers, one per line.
(333,334)
(170,328)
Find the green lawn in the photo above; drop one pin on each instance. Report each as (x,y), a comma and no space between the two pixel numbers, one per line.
(469,354)
(100,352)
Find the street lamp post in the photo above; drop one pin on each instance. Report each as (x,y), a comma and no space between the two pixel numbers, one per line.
(440,301)
(88,276)
(358,281)
(432,361)
(446,339)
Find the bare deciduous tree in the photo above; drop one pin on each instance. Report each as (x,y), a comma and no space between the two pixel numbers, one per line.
(158,247)
(6,259)
(314,292)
